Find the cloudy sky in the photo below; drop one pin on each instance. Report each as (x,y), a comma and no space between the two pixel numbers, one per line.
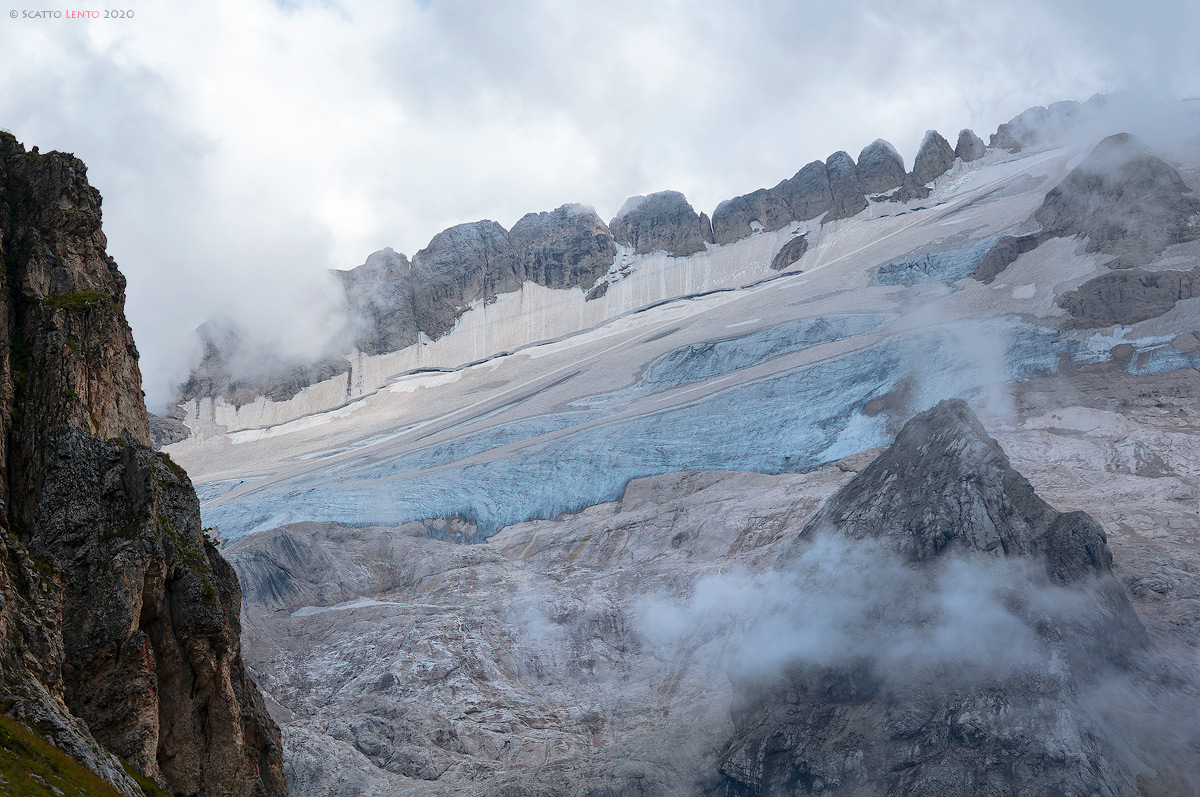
(244,147)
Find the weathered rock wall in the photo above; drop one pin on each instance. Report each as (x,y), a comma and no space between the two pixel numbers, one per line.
(115,609)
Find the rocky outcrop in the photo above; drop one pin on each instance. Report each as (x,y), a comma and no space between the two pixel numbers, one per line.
(1128,296)
(381,302)
(240,369)
(567,247)
(737,218)
(934,158)
(115,609)
(1126,201)
(461,265)
(801,197)
(970,147)
(844,188)
(792,251)
(168,429)
(662,222)
(915,712)
(880,167)
(1003,254)
(1039,126)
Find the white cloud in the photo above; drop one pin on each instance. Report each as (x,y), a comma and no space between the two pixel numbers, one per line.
(246,146)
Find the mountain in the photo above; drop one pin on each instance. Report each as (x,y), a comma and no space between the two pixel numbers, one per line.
(676,583)
(121,620)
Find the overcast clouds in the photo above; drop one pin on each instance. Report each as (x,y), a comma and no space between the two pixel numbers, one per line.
(244,147)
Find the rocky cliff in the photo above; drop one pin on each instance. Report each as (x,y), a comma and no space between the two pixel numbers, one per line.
(119,620)
(1002,700)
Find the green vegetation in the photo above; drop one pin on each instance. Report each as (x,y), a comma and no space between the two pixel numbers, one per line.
(77,301)
(32,767)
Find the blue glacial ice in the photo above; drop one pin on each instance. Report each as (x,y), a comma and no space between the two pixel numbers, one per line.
(948,266)
(788,422)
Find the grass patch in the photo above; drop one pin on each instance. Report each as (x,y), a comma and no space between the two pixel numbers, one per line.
(32,767)
(77,301)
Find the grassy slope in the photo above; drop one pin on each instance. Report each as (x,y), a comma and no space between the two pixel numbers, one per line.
(32,767)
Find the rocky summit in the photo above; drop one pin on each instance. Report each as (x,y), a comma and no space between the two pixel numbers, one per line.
(958,712)
(120,619)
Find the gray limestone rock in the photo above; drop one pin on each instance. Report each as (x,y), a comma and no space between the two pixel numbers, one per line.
(564,248)
(792,251)
(807,192)
(1003,254)
(1128,202)
(659,222)
(880,167)
(1128,296)
(121,621)
(380,300)
(734,219)
(934,158)
(848,195)
(939,511)
(970,147)
(461,265)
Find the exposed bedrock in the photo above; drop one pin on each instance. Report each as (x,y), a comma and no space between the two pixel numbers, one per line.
(1044,125)
(115,611)
(1003,254)
(1002,700)
(970,147)
(659,222)
(1128,296)
(844,187)
(880,167)
(801,197)
(1126,201)
(934,158)
(792,251)
(1128,204)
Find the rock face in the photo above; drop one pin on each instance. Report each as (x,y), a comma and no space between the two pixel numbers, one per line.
(461,265)
(566,247)
(942,509)
(1129,204)
(1125,200)
(659,222)
(801,197)
(934,158)
(1128,296)
(970,147)
(381,302)
(880,167)
(792,251)
(1003,254)
(847,193)
(240,369)
(1037,126)
(115,609)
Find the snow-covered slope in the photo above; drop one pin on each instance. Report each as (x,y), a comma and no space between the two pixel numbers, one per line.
(541,402)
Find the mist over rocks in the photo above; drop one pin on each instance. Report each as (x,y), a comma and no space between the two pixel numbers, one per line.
(659,222)
(898,693)
(391,301)
(1130,205)
(970,147)
(1126,201)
